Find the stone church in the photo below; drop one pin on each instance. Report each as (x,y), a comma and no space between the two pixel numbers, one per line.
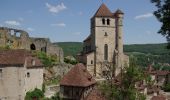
(105,43)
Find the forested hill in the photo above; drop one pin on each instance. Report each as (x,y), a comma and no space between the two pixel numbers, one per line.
(72,48)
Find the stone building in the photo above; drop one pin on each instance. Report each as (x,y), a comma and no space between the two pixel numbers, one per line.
(77,83)
(19,39)
(20,72)
(105,43)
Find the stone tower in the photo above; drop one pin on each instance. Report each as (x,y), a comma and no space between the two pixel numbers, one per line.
(119,42)
(104,44)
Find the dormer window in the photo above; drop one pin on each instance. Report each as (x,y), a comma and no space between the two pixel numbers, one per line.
(108,21)
(103,21)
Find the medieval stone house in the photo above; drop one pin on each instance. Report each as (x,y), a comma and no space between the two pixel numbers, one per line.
(105,43)
(19,39)
(77,83)
(20,72)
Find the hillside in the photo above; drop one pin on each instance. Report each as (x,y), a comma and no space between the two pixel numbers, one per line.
(155,49)
(72,48)
(144,53)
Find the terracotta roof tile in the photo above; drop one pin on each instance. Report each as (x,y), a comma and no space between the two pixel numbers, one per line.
(78,76)
(103,11)
(18,57)
(159,97)
(161,72)
(13,57)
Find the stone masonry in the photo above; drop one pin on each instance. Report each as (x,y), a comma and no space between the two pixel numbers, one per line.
(105,43)
(19,39)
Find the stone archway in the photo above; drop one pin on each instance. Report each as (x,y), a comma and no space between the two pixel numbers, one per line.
(32,47)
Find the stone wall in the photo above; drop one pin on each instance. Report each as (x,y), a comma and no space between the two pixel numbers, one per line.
(15,81)
(12,83)
(19,39)
(33,78)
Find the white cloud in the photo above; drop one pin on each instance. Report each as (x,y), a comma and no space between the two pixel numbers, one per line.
(13,23)
(147,15)
(30,29)
(57,8)
(59,24)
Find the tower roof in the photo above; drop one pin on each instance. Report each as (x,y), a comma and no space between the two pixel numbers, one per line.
(78,76)
(103,11)
(119,12)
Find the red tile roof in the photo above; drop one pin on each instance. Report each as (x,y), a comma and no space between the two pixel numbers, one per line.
(78,76)
(103,11)
(161,72)
(13,57)
(159,97)
(17,57)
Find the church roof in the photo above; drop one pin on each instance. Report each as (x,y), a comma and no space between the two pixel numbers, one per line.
(103,11)
(78,76)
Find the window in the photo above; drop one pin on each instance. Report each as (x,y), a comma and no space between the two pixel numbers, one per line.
(28,74)
(105,52)
(108,21)
(91,61)
(103,21)
(105,34)
(0,73)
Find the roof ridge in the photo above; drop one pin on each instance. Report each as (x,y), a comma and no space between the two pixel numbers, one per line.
(103,11)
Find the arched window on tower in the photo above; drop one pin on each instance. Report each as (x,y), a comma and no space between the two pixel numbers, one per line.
(105,52)
(108,21)
(103,21)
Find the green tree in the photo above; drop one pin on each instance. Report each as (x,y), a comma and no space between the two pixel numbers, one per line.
(126,89)
(163,16)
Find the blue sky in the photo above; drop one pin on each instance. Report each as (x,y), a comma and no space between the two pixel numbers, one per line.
(69,20)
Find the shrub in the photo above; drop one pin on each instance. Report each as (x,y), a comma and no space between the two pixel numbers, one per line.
(47,60)
(73,62)
(166,88)
(36,94)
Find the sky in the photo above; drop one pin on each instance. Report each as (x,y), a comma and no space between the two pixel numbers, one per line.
(69,20)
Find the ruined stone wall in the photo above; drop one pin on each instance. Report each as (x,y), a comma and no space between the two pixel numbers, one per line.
(19,39)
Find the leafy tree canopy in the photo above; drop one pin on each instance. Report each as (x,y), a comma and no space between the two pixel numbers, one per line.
(163,16)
